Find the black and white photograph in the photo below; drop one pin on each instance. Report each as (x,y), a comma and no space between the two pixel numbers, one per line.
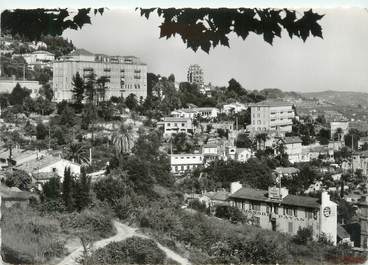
(184,132)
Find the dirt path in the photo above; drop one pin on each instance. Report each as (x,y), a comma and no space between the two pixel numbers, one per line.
(122,232)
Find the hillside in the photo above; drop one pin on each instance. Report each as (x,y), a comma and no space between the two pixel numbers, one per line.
(342,98)
(275,93)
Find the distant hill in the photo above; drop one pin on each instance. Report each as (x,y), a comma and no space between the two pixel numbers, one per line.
(275,93)
(341,98)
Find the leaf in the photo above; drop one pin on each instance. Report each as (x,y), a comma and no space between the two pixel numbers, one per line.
(82,17)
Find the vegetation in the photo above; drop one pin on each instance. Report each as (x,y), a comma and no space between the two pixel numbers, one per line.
(134,250)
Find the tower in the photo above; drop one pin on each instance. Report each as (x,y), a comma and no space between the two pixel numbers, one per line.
(195,74)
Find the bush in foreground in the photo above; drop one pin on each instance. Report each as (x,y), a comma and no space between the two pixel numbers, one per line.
(29,238)
(134,250)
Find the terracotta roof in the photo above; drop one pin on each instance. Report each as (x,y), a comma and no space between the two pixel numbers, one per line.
(262,196)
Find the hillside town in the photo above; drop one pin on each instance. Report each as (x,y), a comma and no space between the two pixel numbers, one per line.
(217,174)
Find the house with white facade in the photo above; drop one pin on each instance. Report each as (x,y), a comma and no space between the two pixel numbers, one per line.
(234,107)
(243,154)
(174,125)
(275,209)
(181,163)
(293,147)
(45,167)
(184,113)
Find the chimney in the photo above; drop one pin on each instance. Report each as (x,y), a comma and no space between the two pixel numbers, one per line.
(325,197)
(235,186)
(284,192)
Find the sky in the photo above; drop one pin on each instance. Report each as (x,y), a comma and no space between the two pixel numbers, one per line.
(339,61)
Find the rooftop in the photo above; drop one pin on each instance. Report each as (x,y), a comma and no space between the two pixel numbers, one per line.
(218,195)
(262,196)
(185,110)
(286,170)
(15,194)
(292,140)
(79,52)
(271,103)
(178,119)
(17,154)
(36,164)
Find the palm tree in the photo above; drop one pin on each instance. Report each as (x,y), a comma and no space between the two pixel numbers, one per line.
(123,139)
(10,139)
(78,153)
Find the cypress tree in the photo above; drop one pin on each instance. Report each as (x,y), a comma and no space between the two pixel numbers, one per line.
(68,190)
(82,191)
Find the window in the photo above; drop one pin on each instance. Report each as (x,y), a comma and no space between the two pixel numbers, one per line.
(258,108)
(290,227)
(295,212)
(256,207)
(308,214)
(175,124)
(268,209)
(289,211)
(168,125)
(183,124)
(276,210)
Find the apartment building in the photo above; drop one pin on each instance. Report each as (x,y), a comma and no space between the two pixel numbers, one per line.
(195,74)
(275,209)
(173,125)
(181,163)
(126,74)
(271,116)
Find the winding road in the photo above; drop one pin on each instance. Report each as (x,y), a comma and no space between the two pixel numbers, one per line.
(122,232)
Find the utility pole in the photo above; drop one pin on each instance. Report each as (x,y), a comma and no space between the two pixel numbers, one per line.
(49,138)
(24,72)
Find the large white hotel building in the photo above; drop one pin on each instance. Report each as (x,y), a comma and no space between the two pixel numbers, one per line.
(126,74)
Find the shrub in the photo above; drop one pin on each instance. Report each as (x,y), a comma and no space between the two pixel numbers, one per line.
(19,179)
(198,206)
(231,213)
(134,250)
(30,238)
(303,236)
(89,222)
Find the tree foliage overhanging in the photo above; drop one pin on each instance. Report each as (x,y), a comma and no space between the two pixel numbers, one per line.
(32,24)
(205,27)
(199,28)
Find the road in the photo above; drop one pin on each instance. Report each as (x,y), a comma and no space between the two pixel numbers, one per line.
(122,232)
